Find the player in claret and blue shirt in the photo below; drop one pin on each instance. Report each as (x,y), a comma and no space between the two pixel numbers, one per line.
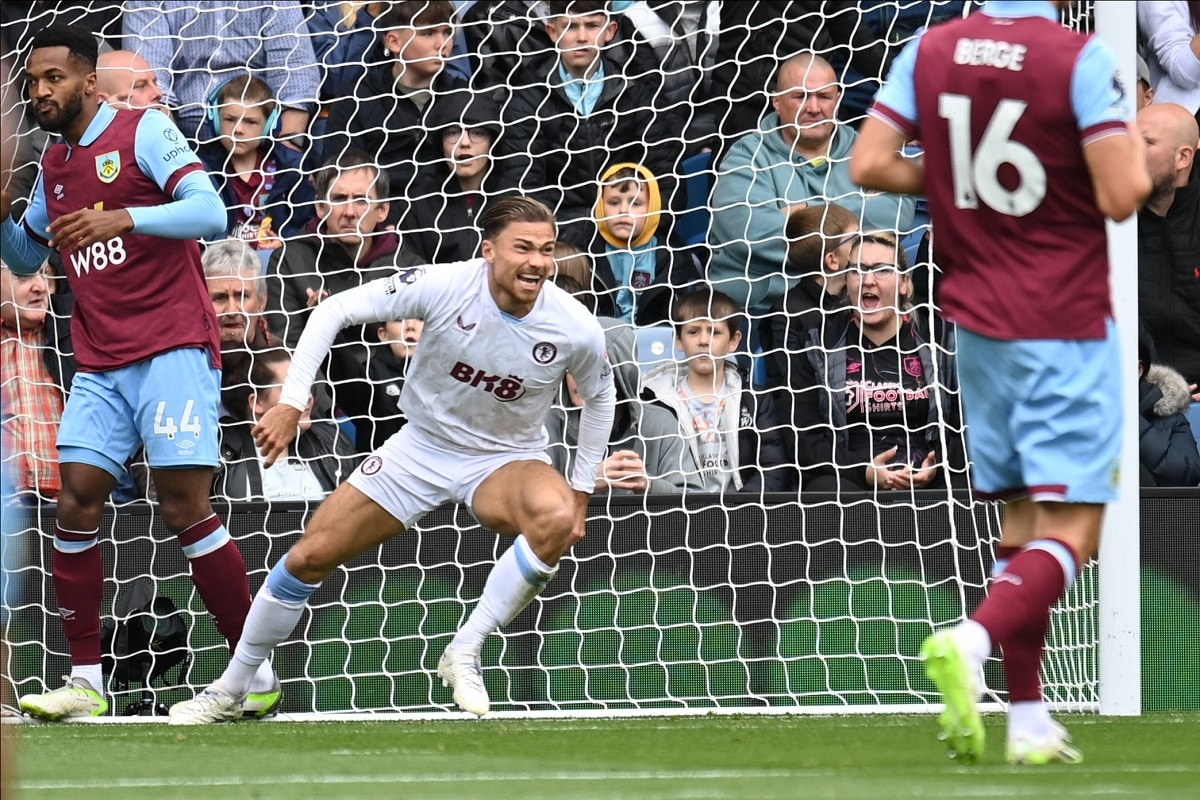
(1027,149)
(123,199)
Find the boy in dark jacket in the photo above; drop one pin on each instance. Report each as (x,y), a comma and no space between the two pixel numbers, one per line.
(262,183)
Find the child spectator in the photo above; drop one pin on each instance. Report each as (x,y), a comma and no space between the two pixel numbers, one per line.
(1167,448)
(575,267)
(636,270)
(647,452)
(261,183)
(387,113)
(582,115)
(441,228)
(387,367)
(733,432)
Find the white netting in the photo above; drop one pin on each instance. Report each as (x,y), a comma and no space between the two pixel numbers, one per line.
(744,601)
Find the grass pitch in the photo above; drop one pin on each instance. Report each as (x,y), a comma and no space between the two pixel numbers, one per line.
(861,756)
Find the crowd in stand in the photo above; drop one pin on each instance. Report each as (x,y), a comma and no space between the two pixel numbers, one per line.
(350,140)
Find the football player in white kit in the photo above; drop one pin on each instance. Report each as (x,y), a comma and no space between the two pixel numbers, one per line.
(498,339)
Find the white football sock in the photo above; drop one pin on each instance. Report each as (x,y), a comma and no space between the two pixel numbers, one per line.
(975,641)
(518,577)
(1028,717)
(92,673)
(269,622)
(264,679)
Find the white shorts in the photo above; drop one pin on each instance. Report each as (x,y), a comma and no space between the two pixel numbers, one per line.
(409,476)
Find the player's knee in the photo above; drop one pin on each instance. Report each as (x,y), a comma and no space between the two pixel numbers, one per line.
(311,560)
(179,515)
(78,510)
(551,523)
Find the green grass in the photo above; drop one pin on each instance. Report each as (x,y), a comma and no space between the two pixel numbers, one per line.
(876,757)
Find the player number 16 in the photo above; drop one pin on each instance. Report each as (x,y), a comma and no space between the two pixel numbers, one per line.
(976,176)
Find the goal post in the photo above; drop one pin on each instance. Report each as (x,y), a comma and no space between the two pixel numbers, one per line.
(1119,596)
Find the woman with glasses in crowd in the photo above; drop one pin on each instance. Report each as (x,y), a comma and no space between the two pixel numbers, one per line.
(440,223)
(876,397)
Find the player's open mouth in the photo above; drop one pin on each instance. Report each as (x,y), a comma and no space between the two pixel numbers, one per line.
(532,281)
(869,301)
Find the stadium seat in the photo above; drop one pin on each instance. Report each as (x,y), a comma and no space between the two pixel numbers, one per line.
(692,226)
(655,345)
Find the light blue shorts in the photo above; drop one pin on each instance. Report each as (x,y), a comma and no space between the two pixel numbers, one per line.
(409,476)
(1043,416)
(168,403)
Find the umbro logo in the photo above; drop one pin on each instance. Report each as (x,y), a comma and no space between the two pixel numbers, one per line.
(463,326)
(66,613)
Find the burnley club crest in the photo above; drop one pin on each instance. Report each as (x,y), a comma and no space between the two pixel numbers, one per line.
(108,166)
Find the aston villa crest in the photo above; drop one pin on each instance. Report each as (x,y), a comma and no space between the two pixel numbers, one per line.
(108,166)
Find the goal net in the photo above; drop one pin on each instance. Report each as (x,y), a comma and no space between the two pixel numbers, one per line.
(674,602)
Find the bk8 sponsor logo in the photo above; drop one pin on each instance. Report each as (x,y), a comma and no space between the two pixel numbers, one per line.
(504,389)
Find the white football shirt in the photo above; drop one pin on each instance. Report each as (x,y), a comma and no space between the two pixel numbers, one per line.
(481,381)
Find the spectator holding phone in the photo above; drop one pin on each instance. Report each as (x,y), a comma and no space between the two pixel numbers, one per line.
(879,408)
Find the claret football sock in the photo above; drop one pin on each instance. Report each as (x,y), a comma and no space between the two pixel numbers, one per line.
(219,574)
(1017,611)
(79,588)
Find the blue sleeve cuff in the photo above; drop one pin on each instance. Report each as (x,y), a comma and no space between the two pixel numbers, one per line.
(22,254)
(196,212)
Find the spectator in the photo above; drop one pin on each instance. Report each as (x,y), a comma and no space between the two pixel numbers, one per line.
(820,238)
(576,267)
(262,184)
(733,432)
(636,267)
(35,377)
(345,246)
(387,115)
(1145,93)
(441,229)
(799,154)
(874,407)
(1171,30)
(317,460)
(1169,456)
(504,41)
(126,80)
(681,36)
(238,292)
(387,368)
(582,116)
(196,47)
(1169,242)
(344,43)
(647,452)
(756,38)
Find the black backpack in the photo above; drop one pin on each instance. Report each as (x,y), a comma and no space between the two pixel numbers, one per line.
(146,636)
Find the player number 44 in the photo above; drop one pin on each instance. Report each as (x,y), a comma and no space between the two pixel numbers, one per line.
(188,423)
(976,175)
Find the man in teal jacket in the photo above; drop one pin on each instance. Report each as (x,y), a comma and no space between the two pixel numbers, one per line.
(800,154)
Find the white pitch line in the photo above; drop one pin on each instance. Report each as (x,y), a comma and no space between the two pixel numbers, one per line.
(570,777)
